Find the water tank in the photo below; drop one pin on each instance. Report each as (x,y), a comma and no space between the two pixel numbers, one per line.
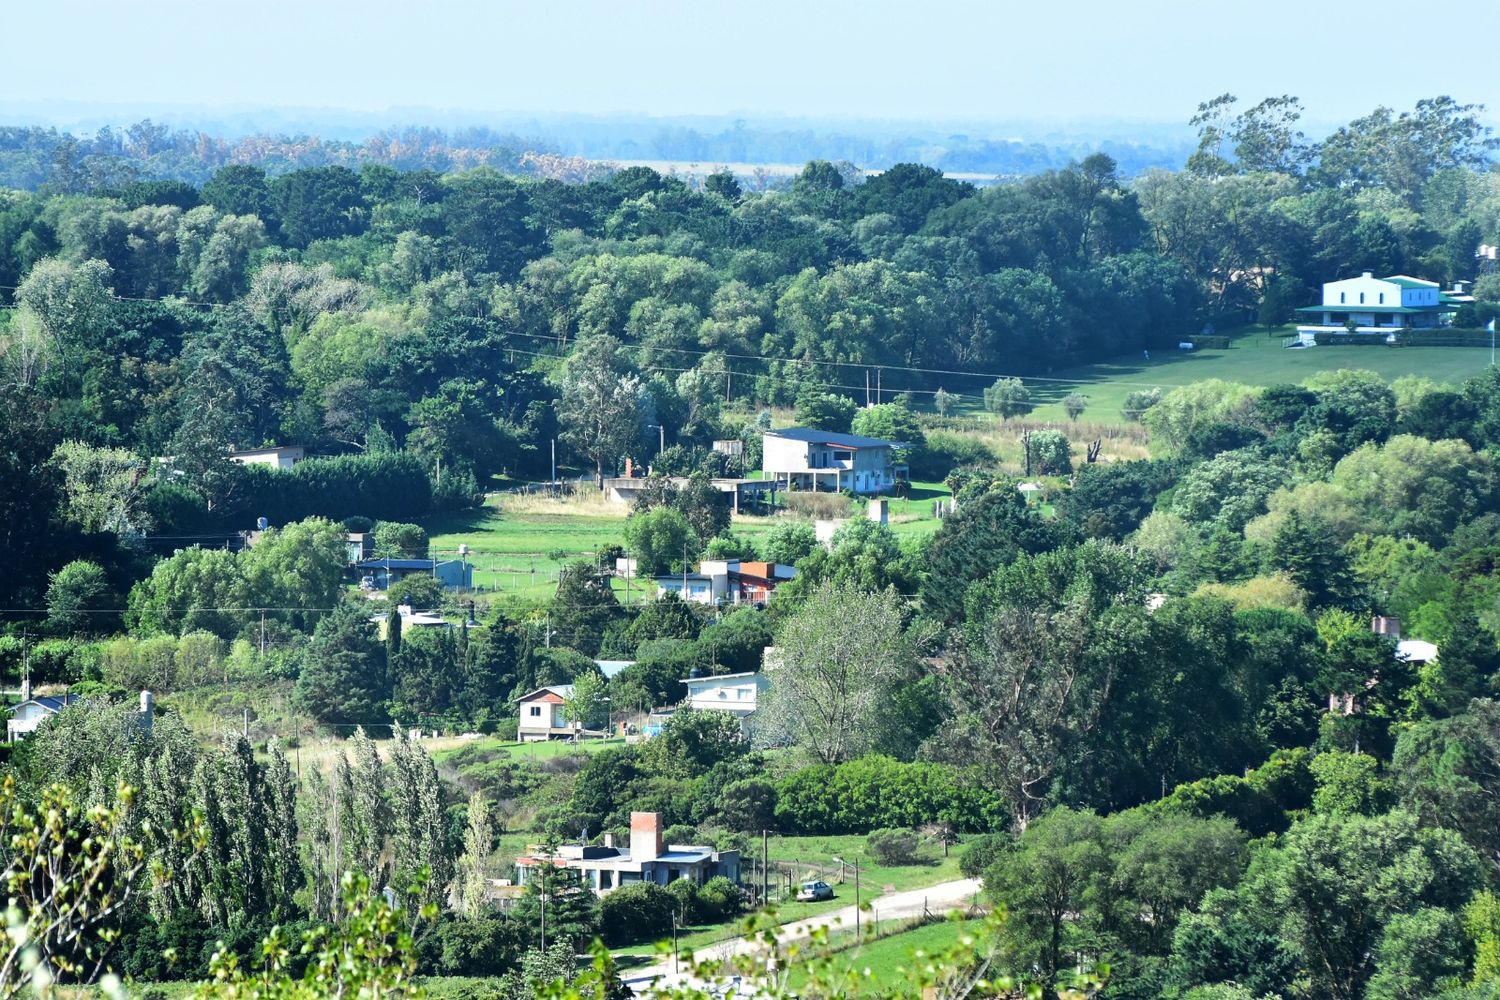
(261,524)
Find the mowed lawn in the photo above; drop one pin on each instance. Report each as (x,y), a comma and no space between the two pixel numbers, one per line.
(879,966)
(1253,358)
(813,858)
(517,547)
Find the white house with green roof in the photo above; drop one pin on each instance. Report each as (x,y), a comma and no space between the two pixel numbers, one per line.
(1376,305)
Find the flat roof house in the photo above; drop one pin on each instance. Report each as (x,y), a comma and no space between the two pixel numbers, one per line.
(807,459)
(278,458)
(647,859)
(451,573)
(737,694)
(731,581)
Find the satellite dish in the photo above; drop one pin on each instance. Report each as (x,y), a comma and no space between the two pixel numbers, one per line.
(262,524)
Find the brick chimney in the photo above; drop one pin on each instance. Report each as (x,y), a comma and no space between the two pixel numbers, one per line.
(1386,625)
(645,836)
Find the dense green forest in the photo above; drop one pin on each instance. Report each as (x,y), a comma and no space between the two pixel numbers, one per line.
(1153,710)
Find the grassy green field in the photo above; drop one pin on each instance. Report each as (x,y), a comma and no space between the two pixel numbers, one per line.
(879,965)
(518,545)
(1253,358)
(812,858)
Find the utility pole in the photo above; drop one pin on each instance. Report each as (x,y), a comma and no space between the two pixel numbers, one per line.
(765,871)
(554,465)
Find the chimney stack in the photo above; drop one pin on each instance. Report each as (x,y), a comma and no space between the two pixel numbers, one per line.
(609,839)
(1386,625)
(645,836)
(148,710)
(1368,274)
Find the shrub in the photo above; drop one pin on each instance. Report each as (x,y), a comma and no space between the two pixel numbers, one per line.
(894,847)
(823,506)
(1138,402)
(1008,397)
(982,852)
(680,834)
(688,905)
(719,899)
(640,911)
(946,451)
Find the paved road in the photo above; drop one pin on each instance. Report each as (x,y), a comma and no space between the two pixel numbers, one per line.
(938,898)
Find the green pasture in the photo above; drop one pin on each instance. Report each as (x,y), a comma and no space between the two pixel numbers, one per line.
(813,858)
(518,555)
(1253,357)
(876,966)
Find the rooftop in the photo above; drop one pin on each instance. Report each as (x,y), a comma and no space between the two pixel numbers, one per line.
(813,436)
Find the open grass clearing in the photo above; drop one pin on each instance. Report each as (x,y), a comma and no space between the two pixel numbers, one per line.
(1253,357)
(878,965)
(810,858)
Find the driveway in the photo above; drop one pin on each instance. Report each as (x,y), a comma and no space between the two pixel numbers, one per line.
(940,898)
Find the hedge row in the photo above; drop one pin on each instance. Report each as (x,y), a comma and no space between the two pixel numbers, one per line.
(385,487)
(878,792)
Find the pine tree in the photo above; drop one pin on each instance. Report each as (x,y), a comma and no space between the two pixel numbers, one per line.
(1308,552)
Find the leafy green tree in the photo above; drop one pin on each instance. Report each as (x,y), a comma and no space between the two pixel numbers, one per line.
(1334,888)
(343,678)
(891,422)
(693,742)
(825,411)
(489,219)
(80,600)
(1305,551)
(1074,403)
(602,406)
(1049,453)
(318,203)
(984,534)
(1008,397)
(572,907)
(789,542)
(640,912)
(1044,879)
(1447,772)
(844,655)
(422,867)
(471,885)
(582,608)
(667,617)
(659,538)
(864,555)
(191,590)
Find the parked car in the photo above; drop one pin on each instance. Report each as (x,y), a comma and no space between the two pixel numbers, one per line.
(813,891)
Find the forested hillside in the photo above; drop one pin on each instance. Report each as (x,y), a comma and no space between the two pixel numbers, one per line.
(1157,699)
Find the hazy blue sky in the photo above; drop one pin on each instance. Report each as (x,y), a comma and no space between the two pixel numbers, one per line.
(1147,59)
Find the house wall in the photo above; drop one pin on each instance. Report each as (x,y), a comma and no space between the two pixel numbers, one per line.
(1352,288)
(783,454)
(1420,297)
(736,694)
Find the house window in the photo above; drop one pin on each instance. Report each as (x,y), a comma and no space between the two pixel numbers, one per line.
(1361,298)
(536,711)
(1382,298)
(1341,298)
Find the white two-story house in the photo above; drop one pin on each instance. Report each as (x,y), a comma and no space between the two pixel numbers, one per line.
(807,459)
(1376,305)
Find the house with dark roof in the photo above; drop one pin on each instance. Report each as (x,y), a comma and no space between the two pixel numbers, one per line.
(382,572)
(33,710)
(807,459)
